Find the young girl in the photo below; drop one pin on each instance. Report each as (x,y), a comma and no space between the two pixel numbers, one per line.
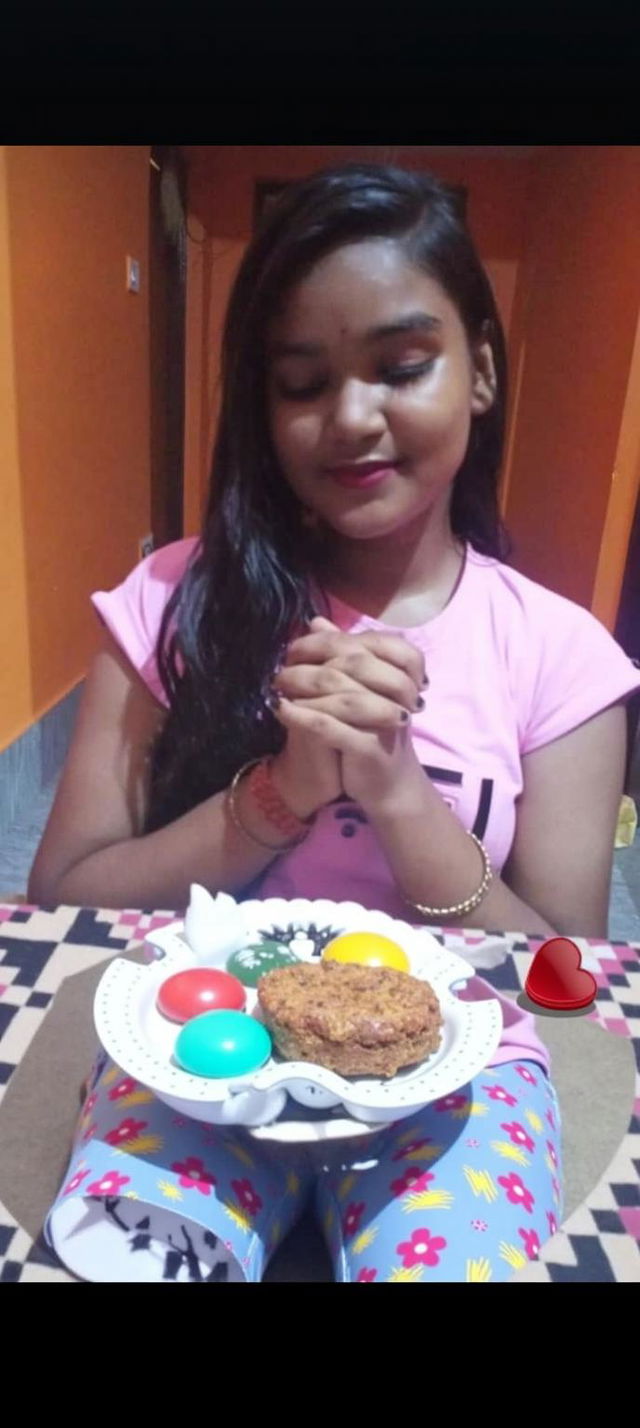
(342,691)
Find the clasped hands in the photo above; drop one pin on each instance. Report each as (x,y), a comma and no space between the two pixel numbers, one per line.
(346,702)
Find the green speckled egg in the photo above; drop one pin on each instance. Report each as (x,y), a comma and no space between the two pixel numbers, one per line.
(251,963)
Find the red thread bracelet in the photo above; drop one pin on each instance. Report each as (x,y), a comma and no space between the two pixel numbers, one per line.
(271,805)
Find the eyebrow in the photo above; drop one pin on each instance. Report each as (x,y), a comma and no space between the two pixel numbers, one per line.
(411,322)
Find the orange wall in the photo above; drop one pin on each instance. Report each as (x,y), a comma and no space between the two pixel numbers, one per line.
(74,425)
(580,294)
(15,674)
(221,190)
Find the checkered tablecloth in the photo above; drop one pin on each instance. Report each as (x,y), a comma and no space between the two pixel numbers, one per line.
(599,1242)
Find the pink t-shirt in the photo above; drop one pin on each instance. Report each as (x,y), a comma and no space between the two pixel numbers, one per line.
(511,667)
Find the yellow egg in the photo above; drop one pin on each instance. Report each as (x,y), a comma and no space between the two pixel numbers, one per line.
(368,948)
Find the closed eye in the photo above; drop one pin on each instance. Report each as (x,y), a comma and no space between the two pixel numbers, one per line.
(299,394)
(391,376)
(398,376)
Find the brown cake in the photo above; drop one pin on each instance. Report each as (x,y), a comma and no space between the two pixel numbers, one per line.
(356,1020)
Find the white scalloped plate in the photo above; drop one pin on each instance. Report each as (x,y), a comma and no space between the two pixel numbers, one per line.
(140,1040)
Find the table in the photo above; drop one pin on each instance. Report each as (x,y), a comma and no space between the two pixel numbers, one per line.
(38,949)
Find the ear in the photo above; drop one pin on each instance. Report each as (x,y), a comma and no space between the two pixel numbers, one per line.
(484,387)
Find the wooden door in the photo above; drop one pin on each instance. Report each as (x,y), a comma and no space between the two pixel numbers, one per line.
(167,302)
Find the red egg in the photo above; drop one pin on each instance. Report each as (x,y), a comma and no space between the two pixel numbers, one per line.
(200,989)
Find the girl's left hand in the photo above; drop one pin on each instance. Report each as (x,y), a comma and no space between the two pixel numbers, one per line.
(355,694)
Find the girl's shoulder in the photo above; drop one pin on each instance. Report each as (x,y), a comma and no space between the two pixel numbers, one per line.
(565,666)
(132,611)
(150,583)
(159,573)
(524,601)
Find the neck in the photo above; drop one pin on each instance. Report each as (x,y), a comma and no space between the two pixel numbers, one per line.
(411,573)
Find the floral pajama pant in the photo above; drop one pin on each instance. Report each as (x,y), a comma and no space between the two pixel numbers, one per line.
(467,1190)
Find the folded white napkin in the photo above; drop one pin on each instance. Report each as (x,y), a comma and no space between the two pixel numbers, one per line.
(213,926)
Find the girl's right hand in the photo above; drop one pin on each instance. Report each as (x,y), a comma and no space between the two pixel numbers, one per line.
(309,772)
(306,773)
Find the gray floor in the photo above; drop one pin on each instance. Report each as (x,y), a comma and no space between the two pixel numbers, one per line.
(20,842)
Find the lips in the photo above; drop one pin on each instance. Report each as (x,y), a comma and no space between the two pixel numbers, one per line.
(362,474)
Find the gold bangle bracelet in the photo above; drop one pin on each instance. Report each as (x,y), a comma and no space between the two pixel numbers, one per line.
(461,908)
(234,814)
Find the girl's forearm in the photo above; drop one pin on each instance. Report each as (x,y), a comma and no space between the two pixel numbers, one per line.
(435,863)
(156,869)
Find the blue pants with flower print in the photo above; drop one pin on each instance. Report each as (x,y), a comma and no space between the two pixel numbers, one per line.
(467,1190)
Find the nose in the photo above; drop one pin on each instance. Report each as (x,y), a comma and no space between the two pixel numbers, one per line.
(356,412)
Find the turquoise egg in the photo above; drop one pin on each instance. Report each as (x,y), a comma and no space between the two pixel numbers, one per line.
(222,1044)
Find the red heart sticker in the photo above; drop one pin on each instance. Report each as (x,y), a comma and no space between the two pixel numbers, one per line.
(557,979)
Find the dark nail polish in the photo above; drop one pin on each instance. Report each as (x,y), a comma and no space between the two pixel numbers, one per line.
(404,717)
(420,702)
(273,699)
(425,682)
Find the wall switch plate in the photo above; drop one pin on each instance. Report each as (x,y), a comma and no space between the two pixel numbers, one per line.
(146,545)
(133,275)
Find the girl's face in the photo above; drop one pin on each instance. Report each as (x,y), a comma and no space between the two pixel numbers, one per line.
(372,387)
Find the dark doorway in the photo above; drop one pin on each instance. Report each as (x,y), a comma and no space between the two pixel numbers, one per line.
(627,631)
(167,306)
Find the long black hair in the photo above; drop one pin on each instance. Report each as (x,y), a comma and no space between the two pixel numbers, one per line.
(250,583)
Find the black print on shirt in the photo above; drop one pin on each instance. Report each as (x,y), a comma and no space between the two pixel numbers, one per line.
(484,808)
(348,815)
(451,778)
